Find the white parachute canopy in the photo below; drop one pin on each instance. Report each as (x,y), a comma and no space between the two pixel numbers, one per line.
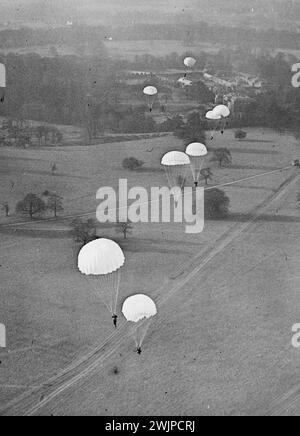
(101,260)
(196,152)
(222,111)
(216,119)
(196,149)
(150,92)
(2,81)
(139,309)
(100,257)
(190,62)
(211,115)
(176,164)
(175,158)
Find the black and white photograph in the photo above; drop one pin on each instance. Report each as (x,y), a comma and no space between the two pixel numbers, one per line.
(149,211)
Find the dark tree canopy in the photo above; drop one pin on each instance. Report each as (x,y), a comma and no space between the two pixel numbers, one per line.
(193,129)
(31,205)
(223,156)
(84,231)
(131,163)
(216,204)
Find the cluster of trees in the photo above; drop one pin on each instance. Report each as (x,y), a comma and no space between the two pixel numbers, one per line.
(193,130)
(56,90)
(277,108)
(120,119)
(160,63)
(242,58)
(216,204)
(279,105)
(67,90)
(18,132)
(200,92)
(221,62)
(33,205)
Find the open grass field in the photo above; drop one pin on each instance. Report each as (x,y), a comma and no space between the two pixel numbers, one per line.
(227,298)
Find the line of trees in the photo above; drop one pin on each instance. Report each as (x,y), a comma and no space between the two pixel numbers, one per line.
(56,90)
(66,90)
(33,205)
(19,133)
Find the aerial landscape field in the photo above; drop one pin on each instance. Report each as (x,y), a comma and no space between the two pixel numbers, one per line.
(62,320)
(73,116)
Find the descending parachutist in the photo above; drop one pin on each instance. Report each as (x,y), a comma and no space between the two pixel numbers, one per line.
(115,320)
(2,82)
(102,260)
(150,92)
(139,309)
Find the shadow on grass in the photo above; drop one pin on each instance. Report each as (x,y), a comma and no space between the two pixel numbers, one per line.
(24,172)
(252,167)
(263,141)
(250,151)
(135,245)
(14,158)
(37,233)
(253,151)
(239,217)
(150,170)
(256,188)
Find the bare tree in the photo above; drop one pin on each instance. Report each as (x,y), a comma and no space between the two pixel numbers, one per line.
(206,174)
(125,228)
(54,203)
(84,231)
